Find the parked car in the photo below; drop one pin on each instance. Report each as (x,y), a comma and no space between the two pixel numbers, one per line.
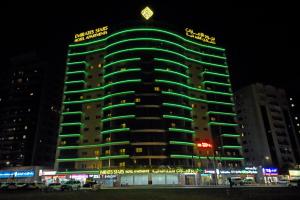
(4,186)
(53,187)
(71,185)
(294,183)
(284,182)
(247,181)
(236,180)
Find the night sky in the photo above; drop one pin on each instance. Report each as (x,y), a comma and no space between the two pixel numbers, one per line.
(260,39)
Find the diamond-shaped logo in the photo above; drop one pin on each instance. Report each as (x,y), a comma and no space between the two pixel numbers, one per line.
(147,13)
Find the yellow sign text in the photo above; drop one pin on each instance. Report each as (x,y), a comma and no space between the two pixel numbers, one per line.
(91,34)
(200,36)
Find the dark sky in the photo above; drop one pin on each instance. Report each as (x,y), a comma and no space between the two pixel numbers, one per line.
(260,38)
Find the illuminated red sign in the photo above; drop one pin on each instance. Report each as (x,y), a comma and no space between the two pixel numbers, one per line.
(204,145)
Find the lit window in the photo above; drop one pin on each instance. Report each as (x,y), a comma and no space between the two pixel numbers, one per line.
(137,100)
(291,99)
(123,125)
(97,153)
(293,105)
(92,67)
(107,139)
(88,107)
(122,69)
(296,118)
(109,115)
(25,127)
(123,101)
(157,89)
(99,65)
(213,119)
(24,136)
(122,151)
(98,84)
(122,164)
(107,152)
(193,105)
(31,94)
(298,124)
(173,125)
(139,150)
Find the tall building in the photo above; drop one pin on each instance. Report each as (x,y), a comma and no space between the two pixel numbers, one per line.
(29,103)
(146,98)
(269,137)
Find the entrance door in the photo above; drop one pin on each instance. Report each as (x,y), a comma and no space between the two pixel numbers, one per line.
(190,180)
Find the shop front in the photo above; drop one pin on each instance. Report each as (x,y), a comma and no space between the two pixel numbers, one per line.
(20,174)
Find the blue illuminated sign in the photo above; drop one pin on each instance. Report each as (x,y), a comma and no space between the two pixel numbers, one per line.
(270,171)
(17,174)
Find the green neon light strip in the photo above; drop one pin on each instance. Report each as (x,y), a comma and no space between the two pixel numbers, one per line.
(145,39)
(230,135)
(171,62)
(76,72)
(74,82)
(221,124)
(69,135)
(182,143)
(76,159)
(215,83)
(146,30)
(177,117)
(192,88)
(214,73)
(115,131)
(99,99)
(71,124)
(197,99)
(231,147)
(165,51)
(94,145)
(114,157)
(220,113)
(117,106)
(104,87)
(72,113)
(204,157)
(78,63)
(177,106)
(79,172)
(121,72)
(171,72)
(121,61)
(181,130)
(118,117)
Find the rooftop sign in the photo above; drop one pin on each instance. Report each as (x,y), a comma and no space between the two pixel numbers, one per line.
(200,36)
(91,34)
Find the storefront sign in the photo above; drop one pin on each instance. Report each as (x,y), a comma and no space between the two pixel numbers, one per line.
(232,171)
(200,36)
(17,174)
(91,34)
(142,171)
(270,171)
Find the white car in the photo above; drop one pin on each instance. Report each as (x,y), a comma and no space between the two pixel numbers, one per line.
(71,185)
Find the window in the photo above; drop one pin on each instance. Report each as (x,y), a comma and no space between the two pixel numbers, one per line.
(122,164)
(137,100)
(139,150)
(99,65)
(88,107)
(173,125)
(122,151)
(107,152)
(96,153)
(157,89)
(123,101)
(123,125)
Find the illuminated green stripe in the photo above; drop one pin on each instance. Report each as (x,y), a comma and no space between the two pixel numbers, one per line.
(146,30)
(165,51)
(182,143)
(74,82)
(76,159)
(181,130)
(230,135)
(171,72)
(115,130)
(117,106)
(197,99)
(103,87)
(79,172)
(171,62)
(231,147)
(121,72)
(214,73)
(221,124)
(192,88)
(144,39)
(114,157)
(220,113)
(69,135)
(71,124)
(99,99)
(78,63)
(118,117)
(205,158)
(121,61)
(215,83)
(177,117)
(177,106)
(72,113)
(76,72)
(94,145)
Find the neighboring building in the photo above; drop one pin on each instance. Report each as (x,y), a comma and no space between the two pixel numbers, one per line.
(143,98)
(29,102)
(268,134)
